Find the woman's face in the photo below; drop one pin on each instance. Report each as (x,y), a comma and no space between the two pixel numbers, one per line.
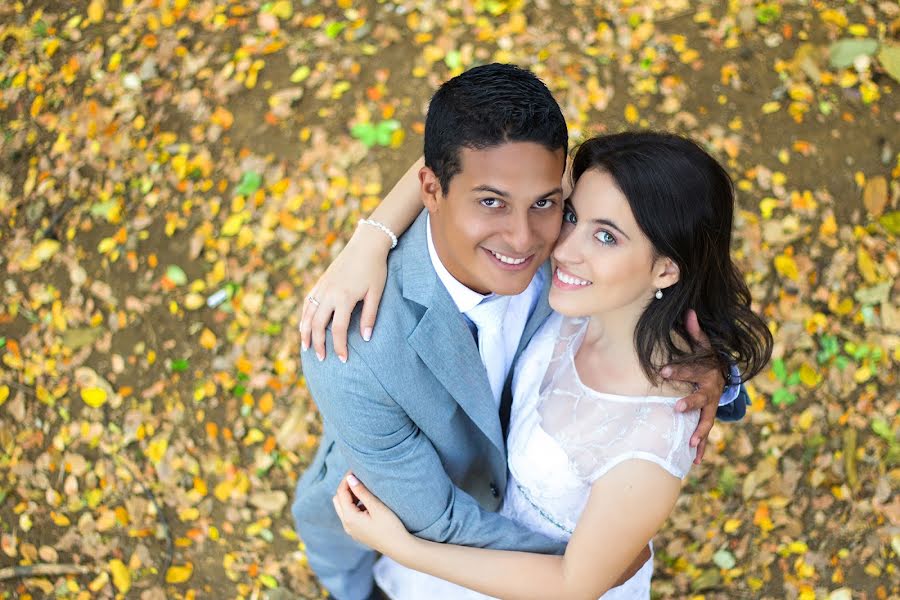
(603,264)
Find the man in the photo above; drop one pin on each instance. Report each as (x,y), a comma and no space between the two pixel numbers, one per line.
(419,412)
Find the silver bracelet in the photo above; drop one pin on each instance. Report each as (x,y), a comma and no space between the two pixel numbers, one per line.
(382,227)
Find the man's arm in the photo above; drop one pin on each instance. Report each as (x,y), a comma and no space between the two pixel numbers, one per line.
(387,451)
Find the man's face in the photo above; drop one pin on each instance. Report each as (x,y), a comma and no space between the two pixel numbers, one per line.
(499,220)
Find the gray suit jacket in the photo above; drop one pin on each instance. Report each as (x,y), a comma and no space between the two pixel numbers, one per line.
(412,415)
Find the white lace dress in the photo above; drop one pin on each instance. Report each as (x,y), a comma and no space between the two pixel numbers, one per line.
(564,436)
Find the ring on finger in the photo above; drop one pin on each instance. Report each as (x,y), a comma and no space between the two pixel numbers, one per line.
(311,299)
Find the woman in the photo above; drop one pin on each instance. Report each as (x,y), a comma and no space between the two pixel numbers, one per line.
(597,452)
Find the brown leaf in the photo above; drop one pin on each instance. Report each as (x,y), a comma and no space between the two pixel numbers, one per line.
(875,195)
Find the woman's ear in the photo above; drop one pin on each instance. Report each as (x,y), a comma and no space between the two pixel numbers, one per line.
(666,272)
(430,189)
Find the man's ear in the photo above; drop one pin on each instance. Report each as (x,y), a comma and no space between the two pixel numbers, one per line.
(667,273)
(430,189)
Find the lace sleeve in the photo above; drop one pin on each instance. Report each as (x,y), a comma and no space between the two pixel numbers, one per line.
(597,433)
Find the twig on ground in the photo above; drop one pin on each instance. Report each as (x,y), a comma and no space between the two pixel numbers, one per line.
(44,570)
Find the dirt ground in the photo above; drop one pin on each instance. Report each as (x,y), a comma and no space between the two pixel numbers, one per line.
(175,174)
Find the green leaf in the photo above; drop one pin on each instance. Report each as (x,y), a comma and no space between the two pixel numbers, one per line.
(783,396)
(843,52)
(891,222)
(2,341)
(267,580)
(366,133)
(176,275)
(250,182)
(333,30)
(793,379)
(39,28)
(724,559)
(453,60)
(882,429)
(889,57)
(179,365)
(103,209)
(768,12)
(779,369)
(727,480)
(384,131)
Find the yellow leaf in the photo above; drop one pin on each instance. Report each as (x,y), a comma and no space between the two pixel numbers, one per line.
(121,576)
(300,74)
(808,376)
(233,225)
(253,436)
(766,206)
(59,519)
(631,114)
(207,339)
(223,490)
(786,267)
(770,107)
(282,9)
(866,266)
(193,301)
(99,582)
(732,525)
(858,29)
(4,393)
(190,513)
(806,419)
(95,11)
(40,253)
(179,574)
(862,374)
(834,17)
(51,47)
(797,548)
(156,449)
(95,397)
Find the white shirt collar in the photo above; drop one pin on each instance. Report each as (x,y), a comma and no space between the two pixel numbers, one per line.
(464,298)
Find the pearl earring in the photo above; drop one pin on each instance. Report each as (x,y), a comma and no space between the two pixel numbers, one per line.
(659,294)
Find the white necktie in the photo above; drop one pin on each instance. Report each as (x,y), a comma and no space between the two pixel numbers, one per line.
(488,317)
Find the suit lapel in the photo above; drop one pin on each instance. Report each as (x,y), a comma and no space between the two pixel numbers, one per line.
(443,340)
(540,313)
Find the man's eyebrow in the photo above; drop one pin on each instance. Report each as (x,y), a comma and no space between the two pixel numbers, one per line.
(492,190)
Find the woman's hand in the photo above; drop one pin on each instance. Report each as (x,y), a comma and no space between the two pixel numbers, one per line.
(358,273)
(367,519)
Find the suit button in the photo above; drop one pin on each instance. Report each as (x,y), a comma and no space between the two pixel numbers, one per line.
(494,491)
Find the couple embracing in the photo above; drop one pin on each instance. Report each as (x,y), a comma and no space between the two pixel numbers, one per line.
(547,362)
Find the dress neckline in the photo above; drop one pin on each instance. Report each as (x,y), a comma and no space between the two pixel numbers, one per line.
(574,344)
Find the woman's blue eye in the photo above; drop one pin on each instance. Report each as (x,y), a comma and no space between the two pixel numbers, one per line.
(569,217)
(605,237)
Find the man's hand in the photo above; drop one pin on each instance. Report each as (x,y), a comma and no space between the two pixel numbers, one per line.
(635,566)
(708,387)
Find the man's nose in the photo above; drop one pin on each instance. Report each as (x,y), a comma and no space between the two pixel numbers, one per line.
(520,236)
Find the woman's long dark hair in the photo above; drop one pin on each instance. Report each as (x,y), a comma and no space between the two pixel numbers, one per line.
(683,201)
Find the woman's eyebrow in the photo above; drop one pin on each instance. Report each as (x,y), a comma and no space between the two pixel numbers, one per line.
(609,223)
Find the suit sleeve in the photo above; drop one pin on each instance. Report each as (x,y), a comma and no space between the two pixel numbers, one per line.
(389,453)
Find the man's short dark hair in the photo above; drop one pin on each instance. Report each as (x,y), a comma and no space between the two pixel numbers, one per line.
(485,107)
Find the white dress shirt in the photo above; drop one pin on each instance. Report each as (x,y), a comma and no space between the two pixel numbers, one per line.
(520,306)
